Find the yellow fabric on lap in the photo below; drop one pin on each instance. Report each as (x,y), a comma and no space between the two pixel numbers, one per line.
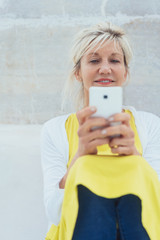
(125,175)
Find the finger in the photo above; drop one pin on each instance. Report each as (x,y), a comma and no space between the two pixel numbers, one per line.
(91,147)
(90,137)
(120,117)
(92,124)
(85,113)
(97,142)
(122,130)
(121,150)
(121,141)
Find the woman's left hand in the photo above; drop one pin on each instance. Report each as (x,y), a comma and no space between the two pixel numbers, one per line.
(123,141)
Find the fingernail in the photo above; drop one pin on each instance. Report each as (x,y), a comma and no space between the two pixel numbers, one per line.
(93,109)
(104,131)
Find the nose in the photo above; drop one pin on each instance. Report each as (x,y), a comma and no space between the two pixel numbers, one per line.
(105,68)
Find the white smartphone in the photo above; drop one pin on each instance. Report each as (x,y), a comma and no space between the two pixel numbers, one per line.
(107,100)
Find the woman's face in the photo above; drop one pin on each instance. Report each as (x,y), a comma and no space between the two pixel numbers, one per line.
(103,67)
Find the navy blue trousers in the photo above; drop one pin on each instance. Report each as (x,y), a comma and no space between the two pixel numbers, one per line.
(98,217)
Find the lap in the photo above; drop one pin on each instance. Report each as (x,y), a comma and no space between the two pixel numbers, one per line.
(98,216)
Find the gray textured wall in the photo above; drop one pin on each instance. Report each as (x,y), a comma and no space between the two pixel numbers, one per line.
(35,38)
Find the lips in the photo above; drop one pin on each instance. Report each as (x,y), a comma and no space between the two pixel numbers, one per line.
(104,81)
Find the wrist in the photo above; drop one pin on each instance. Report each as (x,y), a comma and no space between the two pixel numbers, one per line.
(63,181)
(136,152)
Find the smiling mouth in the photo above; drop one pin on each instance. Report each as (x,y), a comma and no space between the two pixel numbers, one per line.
(104,81)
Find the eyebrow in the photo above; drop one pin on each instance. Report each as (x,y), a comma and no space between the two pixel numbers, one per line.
(93,53)
(113,54)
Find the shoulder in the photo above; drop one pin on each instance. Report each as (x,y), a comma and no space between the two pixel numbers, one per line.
(146,118)
(55,125)
(53,131)
(148,124)
(56,122)
(151,124)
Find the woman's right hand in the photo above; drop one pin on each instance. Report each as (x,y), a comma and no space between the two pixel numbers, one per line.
(90,138)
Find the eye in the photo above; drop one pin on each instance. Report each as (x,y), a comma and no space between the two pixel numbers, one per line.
(94,61)
(115,61)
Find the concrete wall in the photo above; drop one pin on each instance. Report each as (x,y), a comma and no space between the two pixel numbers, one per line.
(35,38)
(22,214)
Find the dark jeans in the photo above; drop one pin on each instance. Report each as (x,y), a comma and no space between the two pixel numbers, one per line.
(99,217)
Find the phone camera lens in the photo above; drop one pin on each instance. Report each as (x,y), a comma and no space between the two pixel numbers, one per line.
(105,96)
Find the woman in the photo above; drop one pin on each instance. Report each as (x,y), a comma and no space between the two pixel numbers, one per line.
(111,184)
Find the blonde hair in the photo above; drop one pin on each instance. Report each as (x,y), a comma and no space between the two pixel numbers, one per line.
(86,39)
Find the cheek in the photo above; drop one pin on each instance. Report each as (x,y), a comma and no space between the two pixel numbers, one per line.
(87,71)
(121,71)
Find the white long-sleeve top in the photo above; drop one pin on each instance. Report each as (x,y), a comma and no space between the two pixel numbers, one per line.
(55,155)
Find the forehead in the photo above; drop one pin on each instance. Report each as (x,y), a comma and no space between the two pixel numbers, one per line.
(107,47)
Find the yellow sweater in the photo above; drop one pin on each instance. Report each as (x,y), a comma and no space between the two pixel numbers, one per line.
(111,176)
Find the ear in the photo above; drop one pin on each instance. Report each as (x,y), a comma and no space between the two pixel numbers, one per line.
(78,76)
(125,78)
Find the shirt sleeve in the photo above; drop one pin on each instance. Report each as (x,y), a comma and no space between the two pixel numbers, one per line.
(54,168)
(151,152)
